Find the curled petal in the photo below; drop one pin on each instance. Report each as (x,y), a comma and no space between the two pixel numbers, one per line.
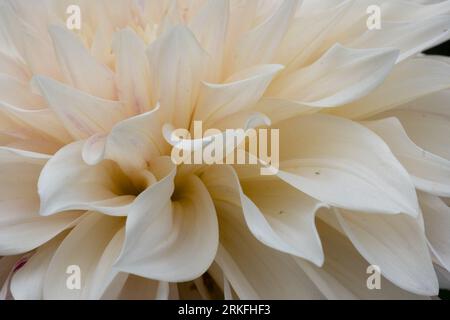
(180,236)
(429,172)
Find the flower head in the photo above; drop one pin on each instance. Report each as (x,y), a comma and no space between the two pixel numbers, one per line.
(87,117)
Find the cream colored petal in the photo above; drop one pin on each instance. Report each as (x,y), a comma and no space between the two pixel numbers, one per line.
(436,103)
(254,270)
(436,215)
(21,227)
(344,164)
(104,275)
(79,68)
(83,247)
(177,65)
(422,9)
(314,25)
(151,11)
(83,115)
(259,45)
(10,33)
(67,182)
(410,37)
(396,244)
(13,68)
(428,130)
(241,20)
(278,215)
(18,93)
(140,136)
(209,26)
(229,133)
(344,274)
(290,213)
(340,76)
(132,71)
(282,109)
(169,240)
(239,93)
(102,42)
(18,135)
(314,7)
(118,12)
(39,54)
(423,26)
(40,123)
(409,80)
(28,282)
(430,173)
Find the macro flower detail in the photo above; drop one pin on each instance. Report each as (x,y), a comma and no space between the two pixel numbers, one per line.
(87,119)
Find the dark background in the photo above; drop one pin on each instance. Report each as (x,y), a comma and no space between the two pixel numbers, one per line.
(443,49)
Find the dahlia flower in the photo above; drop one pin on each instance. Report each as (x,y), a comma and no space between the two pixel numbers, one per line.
(87,181)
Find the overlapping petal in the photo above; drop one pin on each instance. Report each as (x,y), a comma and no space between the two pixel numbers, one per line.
(344,164)
(277,214)
(22,228)
(171,237)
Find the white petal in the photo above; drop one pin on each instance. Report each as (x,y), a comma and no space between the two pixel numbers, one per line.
(10,32)
(344,274)
(210,26)
(404,25)
(39,53)
(67,183)
(224,133)
(239,93)
(79,68)
(340,76)
(241,20)
(428,129)
(278,215)
(282,109)
(344,164)
(13,68)
(21,227)
(132,71)
(104,274)
(396,244)
(258,46)
(177,64)
(18,93)
(83,115)
(254,270)
(314,26)
(180,237)
(410,37)
(28,282)
(436,215)
(42,124)
(429,172)
(433,103)
(140,136)
(83,247)
(409,80)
